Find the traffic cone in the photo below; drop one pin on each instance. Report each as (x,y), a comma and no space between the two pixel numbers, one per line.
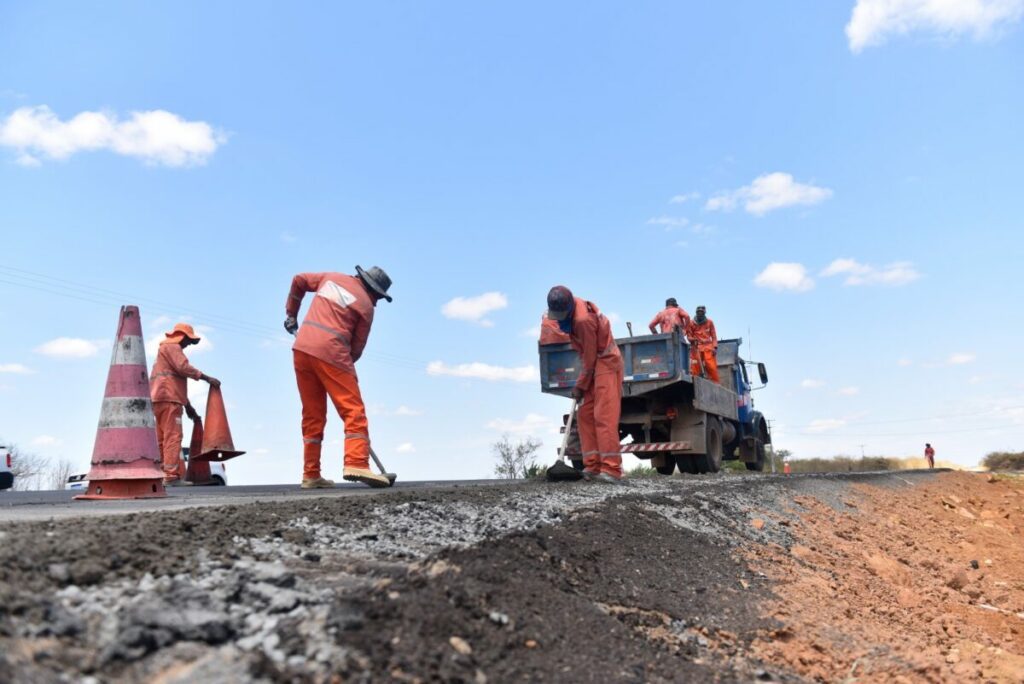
(217,444)
(126,458)
(198,471)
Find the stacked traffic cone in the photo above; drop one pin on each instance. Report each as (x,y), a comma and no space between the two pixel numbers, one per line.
(198,471)
(217,443)
(125,458)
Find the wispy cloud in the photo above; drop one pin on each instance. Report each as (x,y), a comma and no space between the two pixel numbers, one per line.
(850,391)
(856,273)
(45,441)
(157,137)
(405,448)
(533,423)
(684,197)
(288,237)
(15,369)
(873,22)
(474,309)
(406,411)
(767,193)
(669,222)
(825,425)
(961,358)
(812,383)
(784,276)
(905,362)
(70,348)
(484,371)
(154,340)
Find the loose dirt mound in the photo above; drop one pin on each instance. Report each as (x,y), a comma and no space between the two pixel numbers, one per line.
(916,584)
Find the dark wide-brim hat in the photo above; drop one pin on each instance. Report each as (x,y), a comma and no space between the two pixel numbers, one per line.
(376,279)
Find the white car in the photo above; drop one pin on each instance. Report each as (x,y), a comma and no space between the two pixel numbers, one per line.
(218,475)
(6,476)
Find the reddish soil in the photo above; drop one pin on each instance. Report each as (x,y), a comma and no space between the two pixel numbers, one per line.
(916,584)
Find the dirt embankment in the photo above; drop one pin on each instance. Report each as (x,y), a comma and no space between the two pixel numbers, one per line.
(706,579)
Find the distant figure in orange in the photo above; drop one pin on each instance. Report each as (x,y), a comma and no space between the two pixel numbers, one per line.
(929,454)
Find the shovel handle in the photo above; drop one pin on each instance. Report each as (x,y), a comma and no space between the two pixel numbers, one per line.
(568,430)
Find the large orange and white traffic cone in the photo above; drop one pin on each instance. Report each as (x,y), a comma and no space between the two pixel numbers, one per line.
(125,458)
(217,443)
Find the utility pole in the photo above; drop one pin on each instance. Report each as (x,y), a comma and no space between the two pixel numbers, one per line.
(861,450)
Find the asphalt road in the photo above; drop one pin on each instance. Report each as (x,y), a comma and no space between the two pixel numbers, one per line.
(46,505)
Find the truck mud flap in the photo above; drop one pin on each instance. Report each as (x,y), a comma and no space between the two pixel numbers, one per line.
(712,398)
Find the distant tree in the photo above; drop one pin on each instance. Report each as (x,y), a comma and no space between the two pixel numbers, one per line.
(1004,460)
(57,475)
(515,461)
(29,469)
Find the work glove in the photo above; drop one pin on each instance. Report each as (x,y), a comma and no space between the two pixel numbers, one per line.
(214,382)
(291,325)
(577,393)
(191,412)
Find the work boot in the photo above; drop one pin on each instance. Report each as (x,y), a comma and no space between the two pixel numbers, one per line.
(609,479)
(589,476)
(317,483)
(366,476)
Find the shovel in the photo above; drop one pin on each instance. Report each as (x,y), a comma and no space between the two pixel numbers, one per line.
(562,471)
(380,466)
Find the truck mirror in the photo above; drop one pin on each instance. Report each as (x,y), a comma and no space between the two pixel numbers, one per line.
(763,372)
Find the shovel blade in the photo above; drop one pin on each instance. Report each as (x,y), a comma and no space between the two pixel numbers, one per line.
(563,472)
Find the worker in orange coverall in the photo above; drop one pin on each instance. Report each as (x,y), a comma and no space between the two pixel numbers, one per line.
(168,385)
(327,346)
(929,454)
(550,333)
(671,317)
(599,386)
(703,345)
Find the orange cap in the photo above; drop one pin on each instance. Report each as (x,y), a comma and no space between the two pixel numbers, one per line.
(183,330)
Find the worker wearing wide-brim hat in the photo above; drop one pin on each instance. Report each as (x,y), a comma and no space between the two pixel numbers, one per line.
(169,391)
(327,345)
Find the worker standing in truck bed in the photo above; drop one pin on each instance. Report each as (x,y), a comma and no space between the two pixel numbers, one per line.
(599,386)
(671,317)
(703,345)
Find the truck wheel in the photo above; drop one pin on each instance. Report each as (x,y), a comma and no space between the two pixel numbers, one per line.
(758,465)
(666,469)
(687,464)
(713,458)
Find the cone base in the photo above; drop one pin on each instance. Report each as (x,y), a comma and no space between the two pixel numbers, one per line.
(217,455)
(124,489)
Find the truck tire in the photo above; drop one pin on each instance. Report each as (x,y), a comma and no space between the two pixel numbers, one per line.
(687,464)
(757,465)
(713,457)
(666,469)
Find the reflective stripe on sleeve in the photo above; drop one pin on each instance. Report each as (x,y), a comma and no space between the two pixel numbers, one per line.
(309,440)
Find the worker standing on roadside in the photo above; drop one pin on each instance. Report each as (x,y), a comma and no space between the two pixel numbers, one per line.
(169,392)
(929,454)
(703,345)
(599,386)
(671,317)
(327,346)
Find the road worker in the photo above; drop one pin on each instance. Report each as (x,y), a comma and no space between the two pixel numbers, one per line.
(550,333)
(599,386)
(929,454)
(703,345)
(169,392)
(671,317)
(327,346)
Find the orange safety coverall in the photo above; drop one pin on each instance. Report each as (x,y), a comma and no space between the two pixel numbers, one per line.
(168,388)
(669,317)
(703,341)
(328,344)
(929,453)
(601,383)
(550,333)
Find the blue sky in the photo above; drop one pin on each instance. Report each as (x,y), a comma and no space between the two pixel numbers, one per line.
(838,186)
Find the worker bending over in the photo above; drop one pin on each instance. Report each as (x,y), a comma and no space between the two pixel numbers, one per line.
(599,386)
(169,391)
(327,346)
(671,317)
(703,346)
(550,333)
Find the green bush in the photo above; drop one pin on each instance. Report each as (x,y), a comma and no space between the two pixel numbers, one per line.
(1004,460)
(642,470)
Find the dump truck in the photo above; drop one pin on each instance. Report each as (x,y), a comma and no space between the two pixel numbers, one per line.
(670,416)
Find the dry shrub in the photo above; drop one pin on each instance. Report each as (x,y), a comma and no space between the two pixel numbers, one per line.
(1004,460)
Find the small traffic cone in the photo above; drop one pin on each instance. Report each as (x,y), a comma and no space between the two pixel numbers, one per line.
(198,471)
(126,458)
(217,444)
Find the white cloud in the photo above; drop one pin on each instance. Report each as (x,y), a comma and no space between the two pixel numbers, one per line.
(533,423)
(533,332)
(15,369)
(483,371)
(70,348)
(894,274)
(684,197)
(153,341)
(850,391)
(473,309)
(960,358)
(769,192)
(45,441)
(784,276)
(406,411)
(702,229)
(825,424)
(288,237)
(156,137)
(812,383)
(405,448)
(874,21)
(905,362)
(670,222)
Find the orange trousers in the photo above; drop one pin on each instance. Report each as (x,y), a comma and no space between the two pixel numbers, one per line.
(317,380)
(168,436)
(710,363)
(598,419)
